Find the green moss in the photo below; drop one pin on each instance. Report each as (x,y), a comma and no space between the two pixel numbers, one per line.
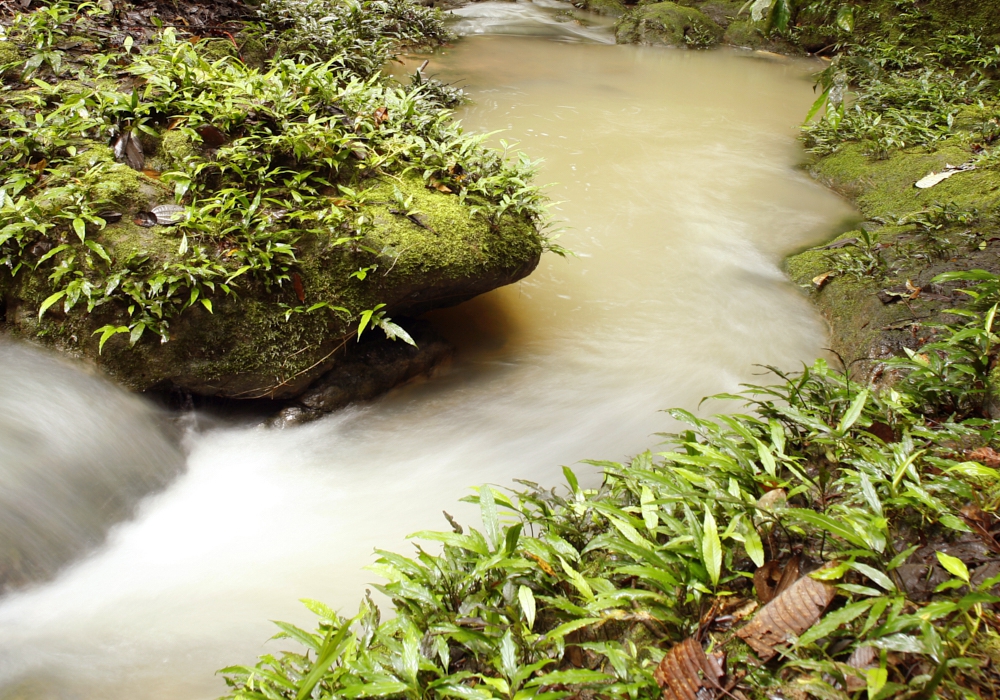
(176,149)
(885,188)
(9,53)
(109,181)
(668,24)
(609,8)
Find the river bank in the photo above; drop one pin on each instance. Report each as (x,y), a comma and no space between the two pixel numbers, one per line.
(836,539)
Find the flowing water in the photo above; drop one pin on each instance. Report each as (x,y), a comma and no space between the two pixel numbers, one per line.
(676,174)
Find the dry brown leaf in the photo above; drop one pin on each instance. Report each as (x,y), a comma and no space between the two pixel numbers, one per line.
(820,280)
(300,292)
(986,456)
(381,114)
(211,135)
(790,614)
(150,173)
(772,579)
(686,673)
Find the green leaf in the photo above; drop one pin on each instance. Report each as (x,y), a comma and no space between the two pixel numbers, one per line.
(845,19)
(711,548)
(207,303)
(376,689)
(49,301)
(753,545)
(650,513)
(578,676)
(55,251)
(99,249)
(577,579)
(853,412)
(106,333)
(781,13)
(488,510)
(834,621)
(527,600)
(574,484)
(876,678)
(830,525)
(954,566)
(874,575)
(80,226)
(327,654)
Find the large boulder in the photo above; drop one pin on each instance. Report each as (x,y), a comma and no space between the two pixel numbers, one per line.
(668,24)
(260,342)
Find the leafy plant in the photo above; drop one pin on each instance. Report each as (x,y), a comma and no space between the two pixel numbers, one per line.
(583,590)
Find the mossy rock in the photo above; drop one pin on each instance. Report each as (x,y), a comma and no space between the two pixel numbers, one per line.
(667,24)
(608,8)
(245,347)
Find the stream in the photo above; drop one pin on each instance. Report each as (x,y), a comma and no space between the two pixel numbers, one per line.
(674,177)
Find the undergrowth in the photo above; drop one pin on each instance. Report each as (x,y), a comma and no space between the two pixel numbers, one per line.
(580,593)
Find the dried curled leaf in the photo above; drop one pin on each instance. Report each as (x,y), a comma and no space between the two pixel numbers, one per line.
(773,579)
(790,614)
(168,214)
(686,673)
(128,150)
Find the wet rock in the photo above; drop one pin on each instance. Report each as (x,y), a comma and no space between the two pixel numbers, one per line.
(668,24)
(369,369)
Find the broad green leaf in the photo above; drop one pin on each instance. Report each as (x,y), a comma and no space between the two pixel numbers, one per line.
(874,575)
(80,227)
(845,19)
(853,412)
(833,621)
(488,511)
(954,566)
(527,600)
(830,525)
(711,548)
(49,301)
(650,512)
(377,689)
(753,545)
(508,654)
(876,678)
(577,579)
(571,479)
(577,676)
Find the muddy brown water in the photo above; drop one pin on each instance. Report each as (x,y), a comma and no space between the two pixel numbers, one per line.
(675,172)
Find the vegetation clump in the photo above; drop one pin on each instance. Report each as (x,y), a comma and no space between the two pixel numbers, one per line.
(882,501)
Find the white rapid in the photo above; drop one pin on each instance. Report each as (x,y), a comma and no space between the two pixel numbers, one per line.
(678,190)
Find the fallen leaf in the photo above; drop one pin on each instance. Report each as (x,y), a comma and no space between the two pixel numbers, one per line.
(297,285)
(168,214)
(146,219)
(381,114)
(150,173)
(128,150)
(986,455)
(790,614)
(441,187)
(842,243)
(686,673)
(820,280)
(934,178)
(211,135)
